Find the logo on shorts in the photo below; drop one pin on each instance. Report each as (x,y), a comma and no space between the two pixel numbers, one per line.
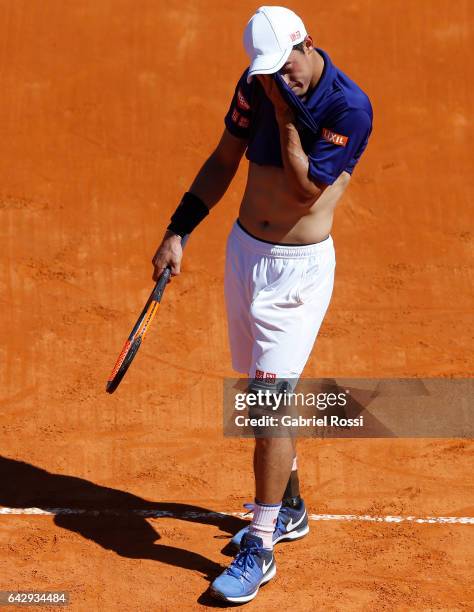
(268,377)
(235,116)
(333,138)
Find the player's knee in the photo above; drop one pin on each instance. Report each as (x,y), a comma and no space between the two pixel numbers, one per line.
(267,407)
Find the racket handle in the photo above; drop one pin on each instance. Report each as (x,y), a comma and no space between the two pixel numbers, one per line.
(165,276)
(160,286)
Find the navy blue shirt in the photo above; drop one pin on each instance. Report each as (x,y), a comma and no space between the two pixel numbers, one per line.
(334,122)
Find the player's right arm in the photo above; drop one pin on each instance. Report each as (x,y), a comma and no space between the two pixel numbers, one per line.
(209,186)
(211,181)
(219,169)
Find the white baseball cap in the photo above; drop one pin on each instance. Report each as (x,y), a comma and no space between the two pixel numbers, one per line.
(269,38)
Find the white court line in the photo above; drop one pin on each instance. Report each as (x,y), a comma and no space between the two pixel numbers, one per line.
(187,514)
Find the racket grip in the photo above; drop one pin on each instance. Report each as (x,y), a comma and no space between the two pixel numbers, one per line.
(164,278)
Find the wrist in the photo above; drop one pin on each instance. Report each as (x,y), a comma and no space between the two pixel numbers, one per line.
(170,235)
(190,212)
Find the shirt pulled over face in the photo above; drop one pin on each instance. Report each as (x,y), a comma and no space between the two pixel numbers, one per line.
(334,122)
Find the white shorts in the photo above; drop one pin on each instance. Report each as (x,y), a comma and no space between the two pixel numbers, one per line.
(276,299)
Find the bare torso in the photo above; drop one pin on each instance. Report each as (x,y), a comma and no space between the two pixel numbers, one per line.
(269,211)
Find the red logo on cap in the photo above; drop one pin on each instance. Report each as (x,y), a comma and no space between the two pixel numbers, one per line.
(333,138)
(295,35)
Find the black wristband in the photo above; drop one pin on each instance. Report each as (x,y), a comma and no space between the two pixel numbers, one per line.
(190,212)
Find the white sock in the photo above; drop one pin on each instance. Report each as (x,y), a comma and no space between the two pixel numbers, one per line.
(264,521)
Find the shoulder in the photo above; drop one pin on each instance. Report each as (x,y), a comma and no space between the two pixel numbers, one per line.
(357,115)
(349,108)
(244,92)
(351,95)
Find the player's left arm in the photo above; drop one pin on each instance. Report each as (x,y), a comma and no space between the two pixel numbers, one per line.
(295,160)
(340,143)
(296,163)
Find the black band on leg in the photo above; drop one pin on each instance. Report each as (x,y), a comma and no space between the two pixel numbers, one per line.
(291,496)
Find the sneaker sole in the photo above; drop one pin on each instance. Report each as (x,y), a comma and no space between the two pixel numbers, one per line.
(296,534)
(245,598)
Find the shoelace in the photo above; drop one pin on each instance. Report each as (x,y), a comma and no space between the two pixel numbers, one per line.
(284,512)
(243,560)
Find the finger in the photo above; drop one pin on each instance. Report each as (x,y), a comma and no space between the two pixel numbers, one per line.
(157,273)
(268,85)
(175,269)
(159,262)
(263,81)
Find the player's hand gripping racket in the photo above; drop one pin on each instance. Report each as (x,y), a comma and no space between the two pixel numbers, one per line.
(139,330)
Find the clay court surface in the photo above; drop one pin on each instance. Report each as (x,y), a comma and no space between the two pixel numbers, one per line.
(108,109)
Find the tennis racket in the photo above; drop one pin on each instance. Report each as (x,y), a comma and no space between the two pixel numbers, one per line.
(139,330)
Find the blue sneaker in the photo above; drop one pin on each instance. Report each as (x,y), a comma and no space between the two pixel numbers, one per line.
(252,567)
(292,524)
